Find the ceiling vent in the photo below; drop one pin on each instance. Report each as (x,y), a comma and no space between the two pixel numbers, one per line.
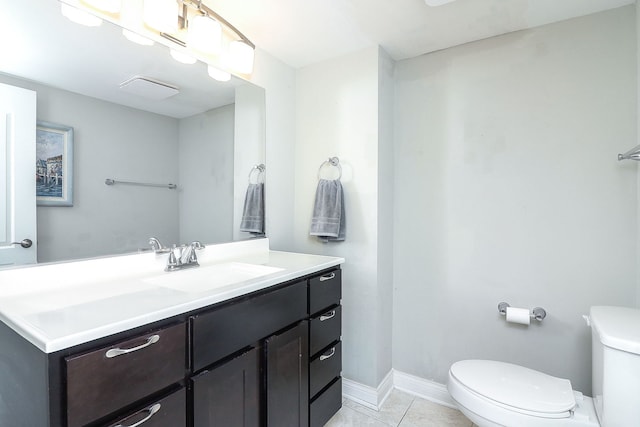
(149,88)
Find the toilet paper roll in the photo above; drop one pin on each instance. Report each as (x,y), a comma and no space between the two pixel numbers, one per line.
(518,315)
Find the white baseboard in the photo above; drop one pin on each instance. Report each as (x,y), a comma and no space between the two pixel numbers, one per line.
(370,397)
(426,389)
(373,398)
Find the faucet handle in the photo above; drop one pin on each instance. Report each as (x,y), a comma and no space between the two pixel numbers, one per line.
(172,261)
(197,245)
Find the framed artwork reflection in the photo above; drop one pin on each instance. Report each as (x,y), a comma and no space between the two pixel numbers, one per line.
(54,164)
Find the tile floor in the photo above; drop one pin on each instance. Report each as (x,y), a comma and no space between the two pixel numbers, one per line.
(399,410)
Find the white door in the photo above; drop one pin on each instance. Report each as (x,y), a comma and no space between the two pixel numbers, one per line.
(17,176)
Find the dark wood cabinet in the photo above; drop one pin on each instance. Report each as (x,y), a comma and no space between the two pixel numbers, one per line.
(229,394)
(325,290)
(325,329)
(325,346)
(270,358)
(168,411)
(230,328)
(325,405)
(287,379)
(102,381)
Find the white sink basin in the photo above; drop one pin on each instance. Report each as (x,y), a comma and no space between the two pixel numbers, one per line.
(202,279)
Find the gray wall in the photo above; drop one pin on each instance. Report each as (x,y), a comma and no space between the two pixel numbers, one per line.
(337,115)
(507,188)
(279,82)
(206,176)
(249,148)
(110,141)
(385,212)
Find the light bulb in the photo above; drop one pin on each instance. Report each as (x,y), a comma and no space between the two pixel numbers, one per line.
(79,16)
(205,34)
(161,15)
(182,57)
(137,38)
(218,74)
(241,57)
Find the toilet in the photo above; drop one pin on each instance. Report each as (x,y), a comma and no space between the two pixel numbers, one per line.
(499,394)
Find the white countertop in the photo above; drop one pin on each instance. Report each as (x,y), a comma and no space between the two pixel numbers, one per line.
(57,306)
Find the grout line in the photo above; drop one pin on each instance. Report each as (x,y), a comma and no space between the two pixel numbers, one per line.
(407,411)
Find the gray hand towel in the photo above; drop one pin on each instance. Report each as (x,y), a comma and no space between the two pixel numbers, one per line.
(253,213)
(328,219)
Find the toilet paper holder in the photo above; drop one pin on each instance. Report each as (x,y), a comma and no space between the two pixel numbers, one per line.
(537,313)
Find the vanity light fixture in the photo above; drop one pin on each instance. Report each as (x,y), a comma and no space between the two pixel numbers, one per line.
(161,15)
(205,35)
(188,27)
(241,57)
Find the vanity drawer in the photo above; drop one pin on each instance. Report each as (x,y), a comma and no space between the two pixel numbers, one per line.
(325,290)
(168,411)
(325,329)
(325,368)
(105,380)
(326,405)
(226,330)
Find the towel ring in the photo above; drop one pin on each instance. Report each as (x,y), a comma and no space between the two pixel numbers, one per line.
(260,172)
(333,161)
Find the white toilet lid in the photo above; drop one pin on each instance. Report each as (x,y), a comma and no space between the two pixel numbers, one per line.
(515,386)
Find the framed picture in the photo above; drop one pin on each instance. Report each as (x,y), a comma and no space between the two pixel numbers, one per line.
(54,164)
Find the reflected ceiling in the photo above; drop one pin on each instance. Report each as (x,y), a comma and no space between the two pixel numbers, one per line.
(108,59)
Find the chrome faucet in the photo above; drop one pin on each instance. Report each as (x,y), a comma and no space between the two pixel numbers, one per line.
(183,256)
(157,246)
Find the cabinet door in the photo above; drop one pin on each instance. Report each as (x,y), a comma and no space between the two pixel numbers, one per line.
(288,377)
(229,395)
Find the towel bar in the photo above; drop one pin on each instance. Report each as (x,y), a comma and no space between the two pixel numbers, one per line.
(110,181)
(333,161)
(260,168)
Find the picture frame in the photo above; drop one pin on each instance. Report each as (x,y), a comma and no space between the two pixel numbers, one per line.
(54,164)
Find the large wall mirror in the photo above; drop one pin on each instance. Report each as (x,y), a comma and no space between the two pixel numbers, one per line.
(205,139)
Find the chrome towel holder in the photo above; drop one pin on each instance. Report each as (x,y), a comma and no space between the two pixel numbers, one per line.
(260,172)
(110,181)
(537,313)
(332,161)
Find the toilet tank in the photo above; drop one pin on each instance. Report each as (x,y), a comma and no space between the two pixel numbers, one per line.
(615,345)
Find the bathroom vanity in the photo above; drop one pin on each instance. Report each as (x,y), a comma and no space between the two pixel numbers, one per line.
(249,338)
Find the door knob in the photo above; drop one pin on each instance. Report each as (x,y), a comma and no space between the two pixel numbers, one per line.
(26,243)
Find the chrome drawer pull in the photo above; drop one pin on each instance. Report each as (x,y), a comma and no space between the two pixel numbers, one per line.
(327,277)
(151,409)
(119,351)
(328,356)
(328,315)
